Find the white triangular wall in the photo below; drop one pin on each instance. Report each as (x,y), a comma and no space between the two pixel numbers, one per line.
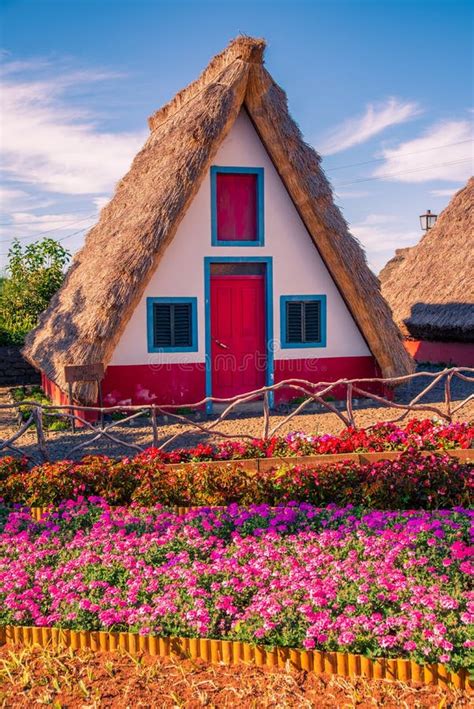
(297,266)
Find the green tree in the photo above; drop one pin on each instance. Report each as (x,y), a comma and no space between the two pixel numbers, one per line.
(34,274)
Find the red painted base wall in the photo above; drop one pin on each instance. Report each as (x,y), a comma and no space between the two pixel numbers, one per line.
(457,353)
(325,369)
(160,384)
(53,391)
(57,396)
(185,384)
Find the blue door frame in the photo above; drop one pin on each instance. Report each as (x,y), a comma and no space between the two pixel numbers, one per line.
(268,261)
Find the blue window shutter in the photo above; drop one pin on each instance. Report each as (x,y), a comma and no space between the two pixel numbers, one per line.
(172,324)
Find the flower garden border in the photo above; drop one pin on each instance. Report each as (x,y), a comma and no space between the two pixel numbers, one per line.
(231,652)
(255,465)
(464,455)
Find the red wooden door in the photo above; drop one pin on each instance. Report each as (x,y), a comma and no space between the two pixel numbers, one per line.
(238,352)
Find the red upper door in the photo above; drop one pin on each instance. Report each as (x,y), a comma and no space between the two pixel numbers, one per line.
(236,207)
(238,352)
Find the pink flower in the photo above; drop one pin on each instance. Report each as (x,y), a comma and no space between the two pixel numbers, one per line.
(388,641)
(346,638)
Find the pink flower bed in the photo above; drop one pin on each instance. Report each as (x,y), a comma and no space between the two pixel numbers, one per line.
(377,583)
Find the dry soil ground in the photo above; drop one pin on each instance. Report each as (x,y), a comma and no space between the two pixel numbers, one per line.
(81,680)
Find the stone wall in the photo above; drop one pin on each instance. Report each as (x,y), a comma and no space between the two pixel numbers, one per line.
(14,370)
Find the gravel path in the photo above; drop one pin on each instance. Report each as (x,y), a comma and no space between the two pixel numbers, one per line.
(139,432)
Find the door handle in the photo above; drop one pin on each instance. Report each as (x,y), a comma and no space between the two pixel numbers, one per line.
(221,344)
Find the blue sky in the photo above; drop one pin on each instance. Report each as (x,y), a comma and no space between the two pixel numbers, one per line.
(384,90)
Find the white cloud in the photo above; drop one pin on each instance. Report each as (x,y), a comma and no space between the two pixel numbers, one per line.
(445,193)
(443,152)
(378,219)
(33,223)
(352,194)
(15,67)
(56,146)
(376,118)
(13,199)
(100,202)
(381,234)
(10,196)
(27,226)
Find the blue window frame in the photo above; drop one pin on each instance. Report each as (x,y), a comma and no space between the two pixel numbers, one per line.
(260,238)
(303,321)
(172,324)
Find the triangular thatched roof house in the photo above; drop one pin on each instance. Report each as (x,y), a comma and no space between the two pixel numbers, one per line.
(430,287)
(153,242)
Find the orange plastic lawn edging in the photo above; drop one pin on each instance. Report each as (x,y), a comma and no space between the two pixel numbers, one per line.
(37,513)
(231,652)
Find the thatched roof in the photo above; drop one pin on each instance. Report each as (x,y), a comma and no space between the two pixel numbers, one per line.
(107,278)
(430,287)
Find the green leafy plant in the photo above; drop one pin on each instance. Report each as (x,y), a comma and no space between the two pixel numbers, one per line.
(35,272)
(51,422)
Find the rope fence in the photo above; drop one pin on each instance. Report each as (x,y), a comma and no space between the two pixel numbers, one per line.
(308,391)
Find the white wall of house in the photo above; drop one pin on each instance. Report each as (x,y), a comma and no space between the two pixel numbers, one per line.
(297,266)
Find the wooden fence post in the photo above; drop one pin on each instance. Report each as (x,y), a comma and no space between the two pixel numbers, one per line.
(349,408)
(73,420)
(38,418)
(447,394)
(266,416)
(154,425)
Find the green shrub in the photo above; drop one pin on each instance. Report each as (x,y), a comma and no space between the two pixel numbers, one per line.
(35,273)
(412,482)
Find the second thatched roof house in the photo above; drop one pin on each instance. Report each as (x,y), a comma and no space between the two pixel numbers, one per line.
(221,264)
(430,287)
